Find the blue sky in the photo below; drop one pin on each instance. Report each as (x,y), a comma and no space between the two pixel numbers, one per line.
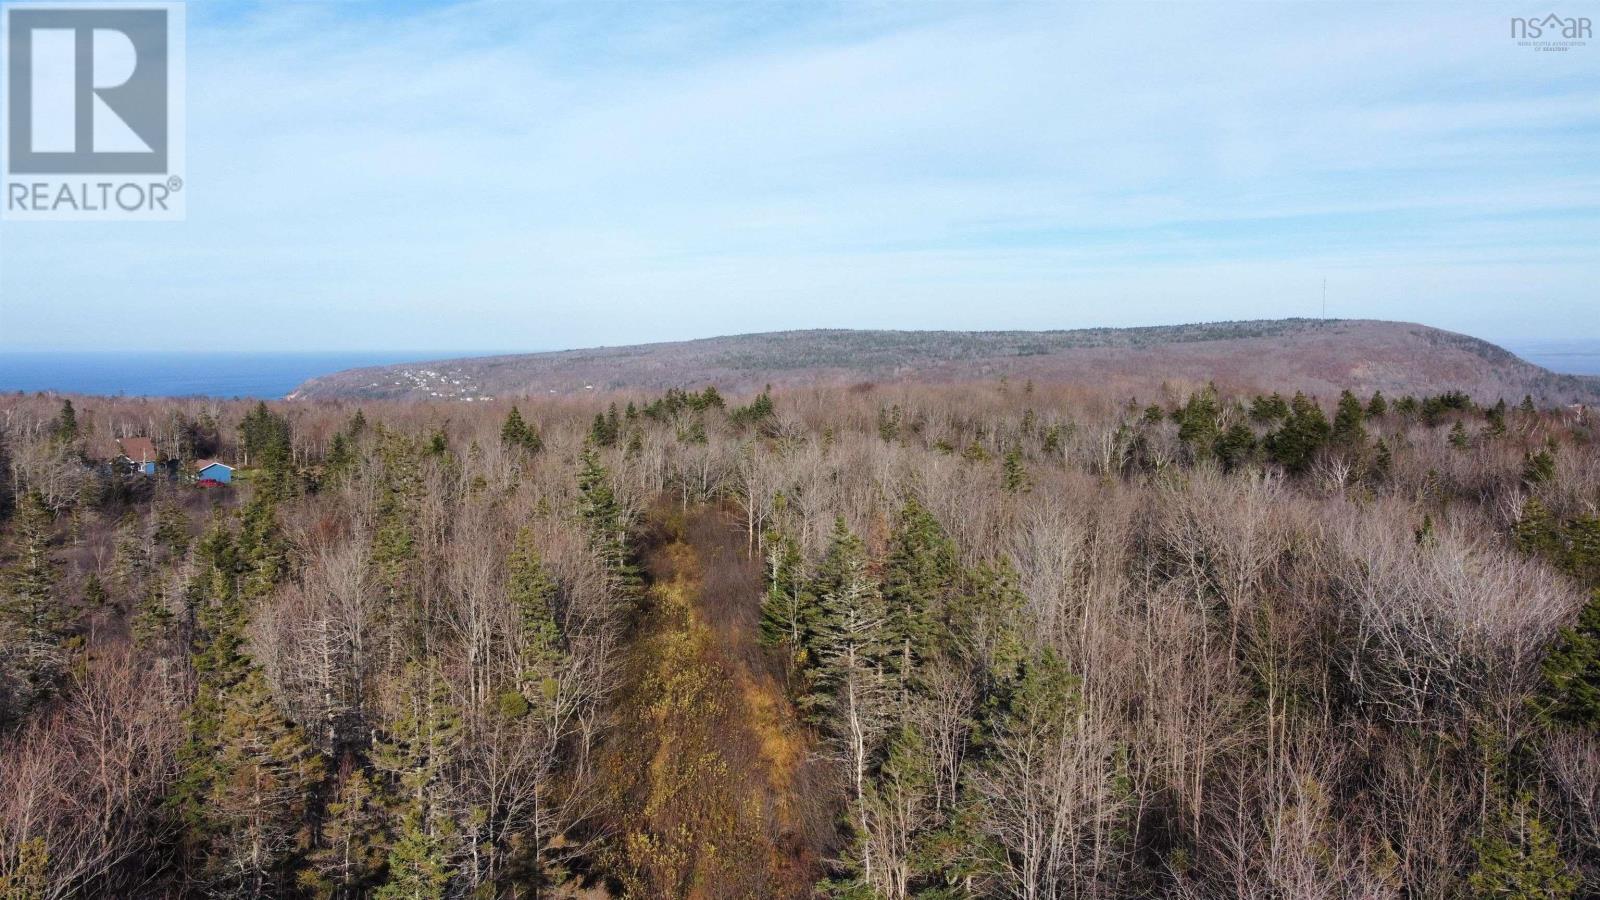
(528,175)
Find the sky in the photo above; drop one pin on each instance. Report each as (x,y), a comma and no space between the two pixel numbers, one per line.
(478,176)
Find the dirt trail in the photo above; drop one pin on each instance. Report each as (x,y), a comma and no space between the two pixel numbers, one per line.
(711,767)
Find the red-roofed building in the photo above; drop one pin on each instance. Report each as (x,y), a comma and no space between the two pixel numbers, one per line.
(141,453)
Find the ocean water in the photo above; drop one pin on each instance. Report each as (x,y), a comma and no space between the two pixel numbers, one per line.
(256,375)
(273,375)
(1571,356)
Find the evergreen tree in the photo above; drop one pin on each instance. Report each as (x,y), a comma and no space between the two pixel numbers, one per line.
(64,428)
(1267,410)
(898,808)
(1198,425)
(32,618)
(1520,859)
(758,412)
(27,875)
(1020,789)
(1382,461)
(268,446)
(983,621)
(920,575)
(414,756)
(1237,447)
(604,519)
(538,639)
(94,592)
(1496,417)
(1583,549)
(788,611)
(172,528)
(1303,435)
(709,398)
(1014,472)
(418,866)
(1572,670)
(353,842)
(232,717)
(219,665)
(438,443)
(1348,432)
(266,772)
(1539,468)
(341,459)
(1052,440)
(519,434)
(1458,436)
(606,429)
(1377,407)
(394,559)
(1537,533)
(850,693)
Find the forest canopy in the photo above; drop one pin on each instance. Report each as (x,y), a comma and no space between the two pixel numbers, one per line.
(986,640)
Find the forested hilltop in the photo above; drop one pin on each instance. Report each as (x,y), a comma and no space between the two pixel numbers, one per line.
(997,639)
(1313,355)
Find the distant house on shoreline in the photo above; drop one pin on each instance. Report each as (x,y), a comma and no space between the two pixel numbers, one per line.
(140,452)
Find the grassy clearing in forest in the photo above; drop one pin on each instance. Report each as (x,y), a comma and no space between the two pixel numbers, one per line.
(707,748)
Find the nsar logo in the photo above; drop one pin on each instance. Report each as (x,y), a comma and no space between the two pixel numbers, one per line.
(1552,33)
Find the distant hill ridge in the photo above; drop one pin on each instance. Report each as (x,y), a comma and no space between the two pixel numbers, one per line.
(1315,355)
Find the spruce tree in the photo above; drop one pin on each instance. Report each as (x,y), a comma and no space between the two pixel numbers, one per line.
(1539,467)
(266,772)
(1377,407)
(850,691)
(1267,410)
(984,618)
(1237,447)
(32,618)
(1519,858)
(518,434)
(1538,534)
(1348,432)
(94,592)
(604,520)
(538,637)
(1052,440)
(921,573)
(1198,425)
(64,428)
(414,756)
(1572,670)
(353,843)
(341,458)
(1303,435)
(1382,461)
(268,446)
(788,610)
(26,875)
(1496,416)
(1014,472)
